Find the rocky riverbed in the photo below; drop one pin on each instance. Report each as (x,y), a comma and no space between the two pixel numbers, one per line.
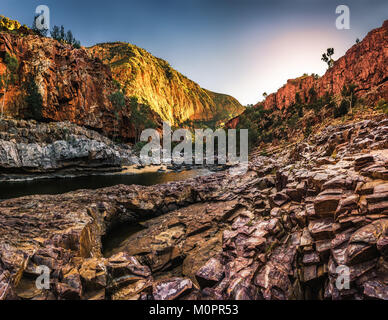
(279,231)
(34,150)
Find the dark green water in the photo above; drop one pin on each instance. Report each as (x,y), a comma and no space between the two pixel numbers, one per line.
(61,185)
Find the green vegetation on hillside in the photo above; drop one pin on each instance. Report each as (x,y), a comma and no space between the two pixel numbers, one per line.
(8,77)
(268,125)
(41,32)
(383,106)
(59,34)
(8,24)
(117,99)
(33,100)
(13,26)
(141,117)
(258,122)
(347,102)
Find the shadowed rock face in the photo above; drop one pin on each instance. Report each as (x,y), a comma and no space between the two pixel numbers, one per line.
(73,85)
(259,235)
(28,146)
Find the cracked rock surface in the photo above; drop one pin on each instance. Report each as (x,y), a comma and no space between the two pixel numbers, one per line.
(283,230)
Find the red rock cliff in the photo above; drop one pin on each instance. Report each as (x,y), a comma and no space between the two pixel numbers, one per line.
(73,85)
(76,85)
(365,65)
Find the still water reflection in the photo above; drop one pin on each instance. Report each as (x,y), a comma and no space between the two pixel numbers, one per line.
(61,185)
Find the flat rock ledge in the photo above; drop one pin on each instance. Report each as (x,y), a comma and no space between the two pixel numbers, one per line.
(32,147)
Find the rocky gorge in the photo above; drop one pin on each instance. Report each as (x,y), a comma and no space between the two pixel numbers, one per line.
(79,85)
(279,231)
(311,208)
(36,150)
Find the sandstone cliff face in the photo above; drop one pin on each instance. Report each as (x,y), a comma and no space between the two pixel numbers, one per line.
(76,86)
(364,65)
(73,85)
(169,93)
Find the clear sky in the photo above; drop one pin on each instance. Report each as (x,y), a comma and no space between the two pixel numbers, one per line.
(239,47)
